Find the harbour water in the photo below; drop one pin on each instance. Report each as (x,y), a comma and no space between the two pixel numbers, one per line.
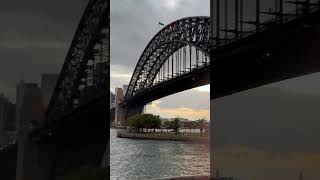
(132,159)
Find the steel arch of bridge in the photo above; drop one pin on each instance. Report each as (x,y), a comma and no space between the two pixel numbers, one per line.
(190,31)
(90,43)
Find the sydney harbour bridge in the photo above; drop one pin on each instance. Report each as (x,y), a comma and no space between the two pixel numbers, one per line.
(176,59)
(246,44)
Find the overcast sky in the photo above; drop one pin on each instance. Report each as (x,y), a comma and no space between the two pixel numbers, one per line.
(34,38)
(269,132)
(274,129)
(133,24)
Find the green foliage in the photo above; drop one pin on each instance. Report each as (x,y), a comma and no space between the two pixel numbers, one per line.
(202,125)
(148,121)
(136,122)
(175,124)
(167,124)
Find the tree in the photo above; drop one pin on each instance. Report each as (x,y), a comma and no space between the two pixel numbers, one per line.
(148,121)
(151,121)
(175,124)
(188,124)
(192,125)
(167,125)
(136,122)
(155,123)
(201,123)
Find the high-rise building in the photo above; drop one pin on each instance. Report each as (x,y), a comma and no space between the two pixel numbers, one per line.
(119,95)
(30,115)
(48,84)
(22,88)
(7,116)
(125,88)
(112,100)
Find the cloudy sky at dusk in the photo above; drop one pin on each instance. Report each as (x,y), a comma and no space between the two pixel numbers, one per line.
(274,129)
(133,24)
(268,132)
(34,38)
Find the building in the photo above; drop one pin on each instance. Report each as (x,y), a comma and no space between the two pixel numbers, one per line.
(7,116)
(48,84)
(112,100)
(125,88)
(22,88)
(30,115)
(119,96)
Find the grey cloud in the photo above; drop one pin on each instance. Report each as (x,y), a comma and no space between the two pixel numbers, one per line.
(134,23)
(189,99)
(34,38)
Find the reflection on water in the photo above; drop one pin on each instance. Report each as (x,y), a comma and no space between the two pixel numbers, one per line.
(144,159)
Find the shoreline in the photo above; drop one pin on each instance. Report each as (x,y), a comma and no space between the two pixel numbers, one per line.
(184,178)
(164,136)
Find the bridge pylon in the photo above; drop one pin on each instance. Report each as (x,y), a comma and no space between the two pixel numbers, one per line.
(34,160)
(119,110)
(124,111)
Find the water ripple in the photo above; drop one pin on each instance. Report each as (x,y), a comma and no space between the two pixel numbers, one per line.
(143,159)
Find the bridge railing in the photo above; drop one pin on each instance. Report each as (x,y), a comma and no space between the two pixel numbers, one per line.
(302,9)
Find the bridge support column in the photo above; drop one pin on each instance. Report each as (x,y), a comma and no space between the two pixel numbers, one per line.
(33,159)
(119,110)
(122,113)
(133,109)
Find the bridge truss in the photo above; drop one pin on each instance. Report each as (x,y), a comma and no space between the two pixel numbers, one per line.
(179,48)
(84,75)
(237,19)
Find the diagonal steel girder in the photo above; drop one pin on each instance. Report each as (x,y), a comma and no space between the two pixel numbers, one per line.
(193,31)
(89,32)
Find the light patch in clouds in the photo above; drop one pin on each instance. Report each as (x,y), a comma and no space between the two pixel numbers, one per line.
(171,4)
(205,88)
(182,112)
(120,75)
(119,71)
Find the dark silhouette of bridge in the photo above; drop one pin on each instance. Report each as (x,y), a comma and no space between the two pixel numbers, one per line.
(73,132)
(262,43)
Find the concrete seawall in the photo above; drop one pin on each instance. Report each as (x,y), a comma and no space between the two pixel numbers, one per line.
(164,136)
(185,178)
